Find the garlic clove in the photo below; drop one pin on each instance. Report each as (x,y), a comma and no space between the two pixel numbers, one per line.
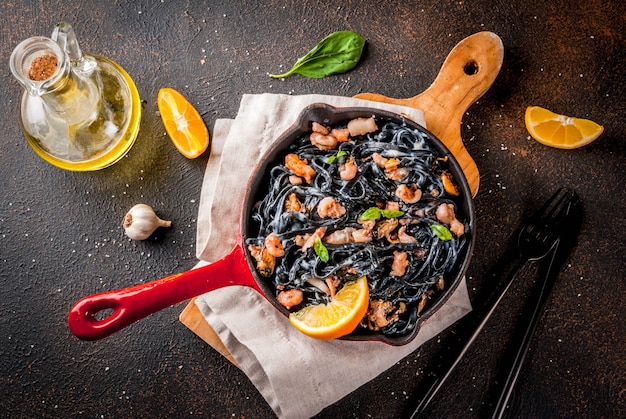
(141,221)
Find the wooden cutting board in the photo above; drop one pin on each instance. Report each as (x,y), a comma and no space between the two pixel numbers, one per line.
(466,74)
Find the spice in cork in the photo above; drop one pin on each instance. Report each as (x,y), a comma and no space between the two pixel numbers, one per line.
(43,67)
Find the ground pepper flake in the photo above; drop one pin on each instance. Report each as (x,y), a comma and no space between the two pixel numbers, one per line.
(43,67)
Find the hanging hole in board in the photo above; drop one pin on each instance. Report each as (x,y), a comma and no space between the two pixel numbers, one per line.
(470,68)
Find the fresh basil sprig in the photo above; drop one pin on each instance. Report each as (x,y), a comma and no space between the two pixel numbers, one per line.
(338,156)
(442,232)
(374,213)
(321,250)
(337,53)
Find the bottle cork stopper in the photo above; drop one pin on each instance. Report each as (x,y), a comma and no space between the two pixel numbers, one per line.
(43,67)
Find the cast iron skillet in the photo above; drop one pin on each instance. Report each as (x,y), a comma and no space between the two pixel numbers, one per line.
(238,268)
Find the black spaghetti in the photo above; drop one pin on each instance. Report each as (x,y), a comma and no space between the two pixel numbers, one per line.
(348,202)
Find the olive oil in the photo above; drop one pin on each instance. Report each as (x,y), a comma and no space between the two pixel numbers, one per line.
(98,142)
(79,111)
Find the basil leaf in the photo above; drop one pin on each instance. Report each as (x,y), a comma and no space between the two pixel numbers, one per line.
(372,213)
(339,155)
(337,53)
(321,250)
(391,213)
(442,232)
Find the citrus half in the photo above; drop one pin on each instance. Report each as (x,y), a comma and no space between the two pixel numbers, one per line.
(338,317)
(183,123)
(560,131)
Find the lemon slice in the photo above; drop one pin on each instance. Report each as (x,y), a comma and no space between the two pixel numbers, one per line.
(560,131)
(337,318)
(183,123)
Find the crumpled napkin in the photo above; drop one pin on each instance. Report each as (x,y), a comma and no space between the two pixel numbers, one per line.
(297,375)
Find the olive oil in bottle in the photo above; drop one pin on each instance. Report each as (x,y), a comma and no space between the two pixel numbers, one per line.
(79,111)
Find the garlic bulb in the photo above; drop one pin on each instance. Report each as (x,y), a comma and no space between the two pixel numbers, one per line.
(141,221)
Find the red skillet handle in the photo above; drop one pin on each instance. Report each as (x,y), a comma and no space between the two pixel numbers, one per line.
(134,303)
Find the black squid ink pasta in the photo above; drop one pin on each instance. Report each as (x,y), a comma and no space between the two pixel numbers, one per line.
(340,205)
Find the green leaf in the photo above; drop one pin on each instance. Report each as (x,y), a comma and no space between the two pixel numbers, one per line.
(441,231)
(391,213)
(374,213)
(321,250)
(337,53)
(339,155)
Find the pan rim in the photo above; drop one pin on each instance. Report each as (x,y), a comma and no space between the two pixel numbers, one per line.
(325,113)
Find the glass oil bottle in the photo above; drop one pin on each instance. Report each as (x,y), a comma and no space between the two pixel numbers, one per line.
(79,111)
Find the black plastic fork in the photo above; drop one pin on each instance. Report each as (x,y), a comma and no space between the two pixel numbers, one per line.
(567,226)
(538,236)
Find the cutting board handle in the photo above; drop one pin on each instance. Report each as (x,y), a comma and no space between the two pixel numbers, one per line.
(466,74)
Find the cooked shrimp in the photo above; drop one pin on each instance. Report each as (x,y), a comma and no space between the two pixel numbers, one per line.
(377,314)
(408,194)
(457,227)
(392,164)
(293,203)
(445,214)
(441,283)
(349,235)
(405,237)
(329,207)
(317,127)
(255,251)
(301,240)
(392,206)
(397,174)
(274,246)
(340,236)
(299,167)
(362,126)
(385,163)
(265,263)
(393,170)
(332,282)
(295,180)
(367,224)
(362,236)
(341,134)
(310,241)
(290,298)
(323,142)
(392,167)
(422,304)
(348,170)
(400,263)
(379,160)
(381,313)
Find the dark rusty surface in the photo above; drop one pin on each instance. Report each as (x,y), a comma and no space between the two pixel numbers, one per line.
(61,238)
